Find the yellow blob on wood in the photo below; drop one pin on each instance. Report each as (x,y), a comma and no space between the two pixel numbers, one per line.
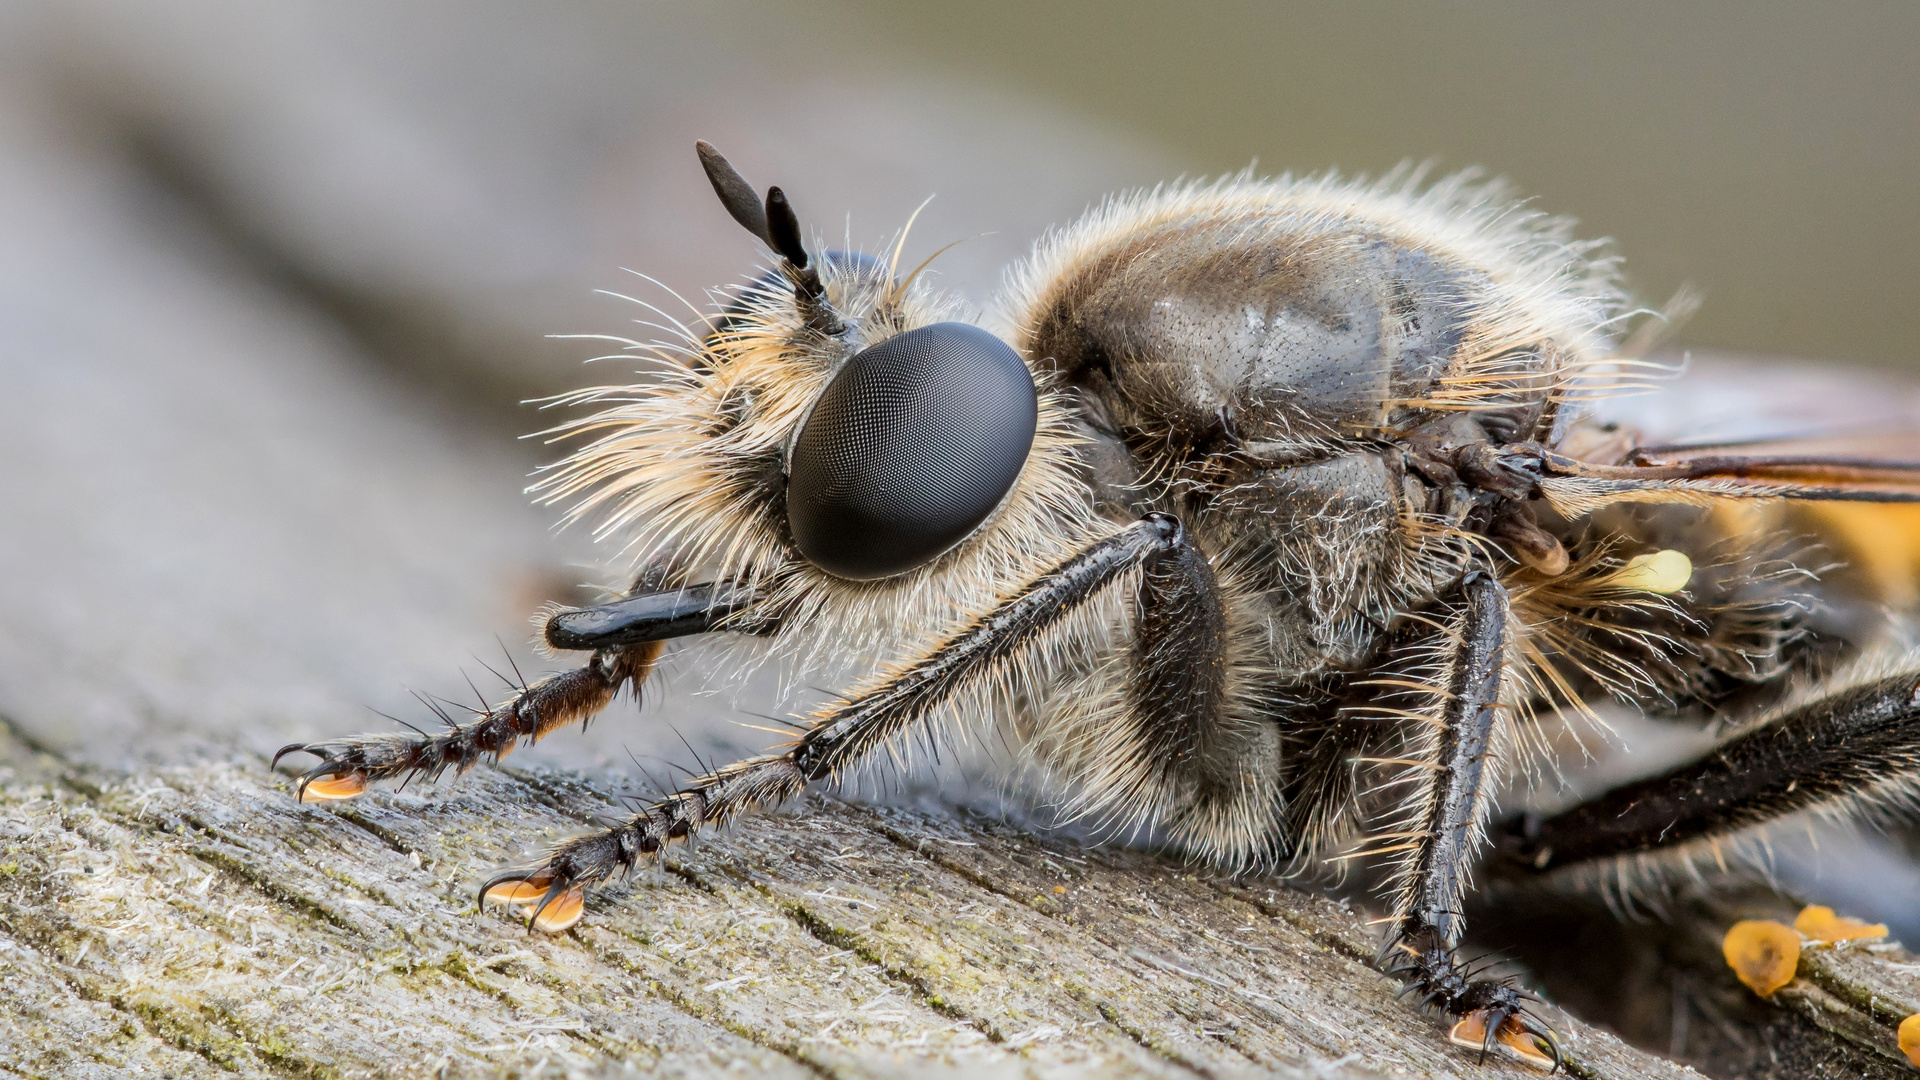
(1763,953)
(1910,1038)
(1821,924)
(1662,572)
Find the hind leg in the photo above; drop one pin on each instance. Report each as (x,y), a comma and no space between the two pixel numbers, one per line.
(1854,749)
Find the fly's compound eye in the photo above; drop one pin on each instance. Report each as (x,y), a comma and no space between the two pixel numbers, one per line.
(911,446)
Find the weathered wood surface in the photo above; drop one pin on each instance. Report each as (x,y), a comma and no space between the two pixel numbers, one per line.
(197,921)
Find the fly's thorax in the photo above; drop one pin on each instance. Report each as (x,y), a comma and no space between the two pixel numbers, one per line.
(1202,330)
(1256,355)
(1206,315)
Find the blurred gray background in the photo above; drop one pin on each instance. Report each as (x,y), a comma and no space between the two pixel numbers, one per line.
(273,276)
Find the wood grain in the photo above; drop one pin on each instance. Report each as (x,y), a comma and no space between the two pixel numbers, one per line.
(196,921)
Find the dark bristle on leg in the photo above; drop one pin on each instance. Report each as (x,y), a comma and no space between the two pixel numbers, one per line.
(627,636)
(841,735)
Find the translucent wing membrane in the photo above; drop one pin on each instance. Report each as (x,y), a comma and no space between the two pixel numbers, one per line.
(1883,468)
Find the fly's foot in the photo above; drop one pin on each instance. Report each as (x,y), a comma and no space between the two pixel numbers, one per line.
(347,766)
(553,892)
(555,901)
(1492,1014)
(556,889)
(1517,1033)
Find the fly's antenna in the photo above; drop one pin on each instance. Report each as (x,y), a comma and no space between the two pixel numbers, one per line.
(735,193)
(777,226)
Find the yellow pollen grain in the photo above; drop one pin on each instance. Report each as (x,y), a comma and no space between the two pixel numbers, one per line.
(1763,953)
(1821,924)
(1661,572)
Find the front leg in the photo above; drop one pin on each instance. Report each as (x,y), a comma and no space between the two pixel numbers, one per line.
(626,638)
(840,735)
(1448,830)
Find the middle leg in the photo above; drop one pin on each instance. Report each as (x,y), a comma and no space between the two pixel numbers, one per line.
(842,735)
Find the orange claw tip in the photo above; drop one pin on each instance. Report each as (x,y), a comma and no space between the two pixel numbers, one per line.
(1763,953)
(333,788)
(565,910)
(1471,1032)
(517,891)
(1910,1038)
(517,887)
(1821,924)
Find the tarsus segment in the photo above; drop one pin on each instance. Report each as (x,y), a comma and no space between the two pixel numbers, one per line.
(627,636)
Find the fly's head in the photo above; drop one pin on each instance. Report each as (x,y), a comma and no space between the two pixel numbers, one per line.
(833,439)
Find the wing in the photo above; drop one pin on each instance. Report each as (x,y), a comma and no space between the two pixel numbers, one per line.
(1876,467)
(1802,449)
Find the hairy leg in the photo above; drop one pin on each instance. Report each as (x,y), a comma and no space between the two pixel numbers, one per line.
(627,637)
(1447,830)
(841,735)
(1192,740)
(1852,749)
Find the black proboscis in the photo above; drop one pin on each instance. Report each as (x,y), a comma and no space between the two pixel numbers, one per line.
(658,616)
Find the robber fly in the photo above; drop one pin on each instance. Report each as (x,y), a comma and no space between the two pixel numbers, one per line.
(1262,509)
